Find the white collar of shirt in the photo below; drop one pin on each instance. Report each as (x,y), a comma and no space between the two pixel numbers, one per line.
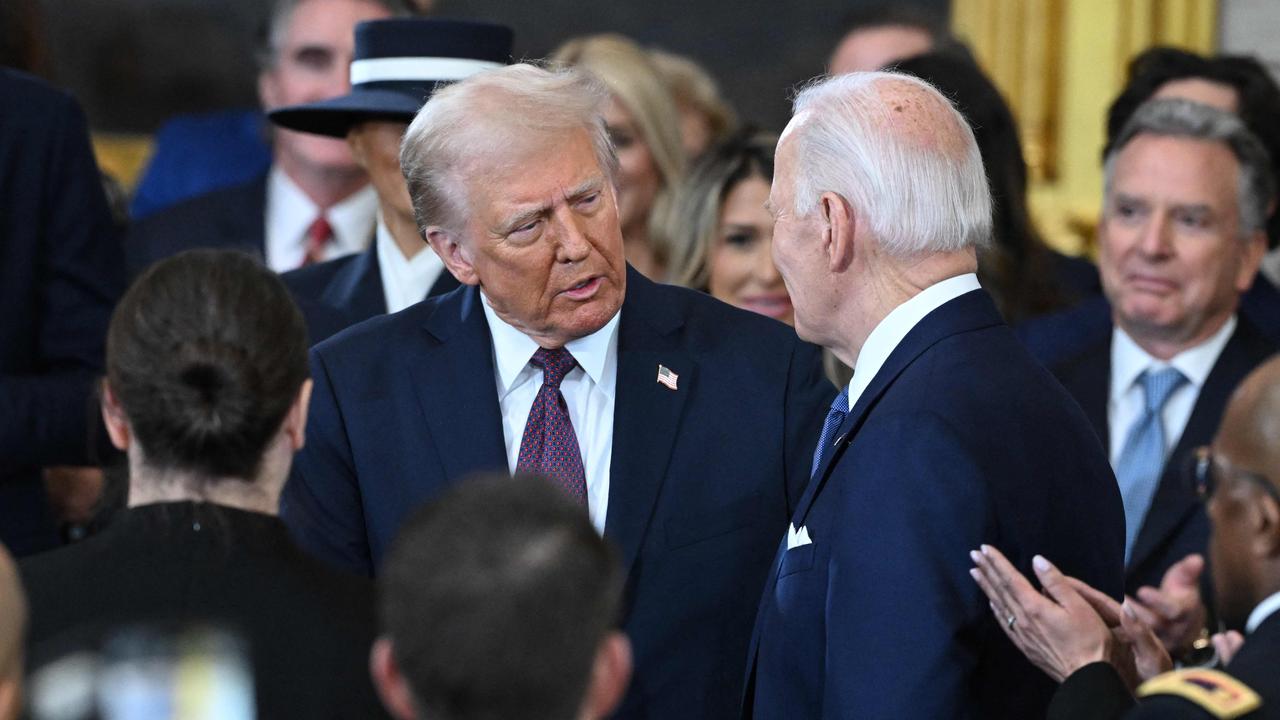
(1129,361)
(1264,610)
(894,327)
(405,281)
(289,212)
(596,353)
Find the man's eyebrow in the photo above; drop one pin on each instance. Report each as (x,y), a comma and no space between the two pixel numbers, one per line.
(585,187)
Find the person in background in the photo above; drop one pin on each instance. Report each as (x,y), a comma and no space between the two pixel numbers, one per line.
(13,625)
(1024,276)
(500,600)
(206,392)
(61,271)
(706,118)
(1234,84)
(1183,229)
(676,421)
(875,37)
(398,269)
(1102,651)
(881,202)
(721,234)
(644,126)
(314,203)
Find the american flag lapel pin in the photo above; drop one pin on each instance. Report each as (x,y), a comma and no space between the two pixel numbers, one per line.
(667,378)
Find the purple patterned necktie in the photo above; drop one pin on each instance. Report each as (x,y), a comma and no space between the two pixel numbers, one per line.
(549,446)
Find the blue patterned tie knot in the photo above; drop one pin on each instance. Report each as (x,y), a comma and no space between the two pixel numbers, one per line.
(835,418)
(1141,461)
(555,365)
(1159,385)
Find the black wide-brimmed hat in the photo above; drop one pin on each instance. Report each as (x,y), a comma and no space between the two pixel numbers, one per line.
(398,64)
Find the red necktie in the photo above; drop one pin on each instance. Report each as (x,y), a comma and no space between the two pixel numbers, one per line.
(550,447)
(319,235)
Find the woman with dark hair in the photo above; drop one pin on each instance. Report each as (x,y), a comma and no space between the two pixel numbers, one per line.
(1024,275)
(206,392)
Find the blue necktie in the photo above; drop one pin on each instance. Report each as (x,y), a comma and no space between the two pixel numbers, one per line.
(835,418)
(1141,461)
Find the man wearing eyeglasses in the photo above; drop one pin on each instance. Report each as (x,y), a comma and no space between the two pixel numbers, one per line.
(1181,236)
(1101,650)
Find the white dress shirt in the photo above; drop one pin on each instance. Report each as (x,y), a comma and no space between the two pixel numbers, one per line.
(1264,610)
(589,391)
(1127,400)
(894,327)
(405,281)
(290,212)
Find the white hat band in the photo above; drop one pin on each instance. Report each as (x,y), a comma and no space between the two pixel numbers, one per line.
(417,69)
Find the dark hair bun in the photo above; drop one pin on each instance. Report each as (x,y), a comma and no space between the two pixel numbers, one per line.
(206,353)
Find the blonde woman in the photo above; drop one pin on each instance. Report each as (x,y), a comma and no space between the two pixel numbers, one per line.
(644,126)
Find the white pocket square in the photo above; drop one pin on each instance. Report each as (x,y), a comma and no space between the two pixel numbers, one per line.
(796,538)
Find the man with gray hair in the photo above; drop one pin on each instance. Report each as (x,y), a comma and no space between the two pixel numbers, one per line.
(682,426)
(948,436)
(1182,233)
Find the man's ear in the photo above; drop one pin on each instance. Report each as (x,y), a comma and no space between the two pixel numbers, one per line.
(115,420)
(387,680)
(1268,525)
(295,422)
(268,89)
(838,230)
(1255,250)
(610,675)
(451,252)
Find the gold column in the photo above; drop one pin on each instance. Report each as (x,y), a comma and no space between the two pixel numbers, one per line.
(1059,64)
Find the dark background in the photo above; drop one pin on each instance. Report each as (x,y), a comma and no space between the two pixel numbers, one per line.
(133,63)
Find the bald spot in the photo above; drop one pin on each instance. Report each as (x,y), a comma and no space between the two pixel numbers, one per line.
(13,616)
(1249,436)
(920,117)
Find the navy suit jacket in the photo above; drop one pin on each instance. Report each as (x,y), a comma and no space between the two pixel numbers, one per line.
(1176,524)
(702,479)
(336,294)
(61,272)
(960,439)
(232,218)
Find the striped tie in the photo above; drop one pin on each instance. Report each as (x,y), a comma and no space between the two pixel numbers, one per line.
(1141,461)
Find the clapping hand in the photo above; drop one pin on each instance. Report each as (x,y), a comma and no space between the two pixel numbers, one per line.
(1059,631)
(1174,610)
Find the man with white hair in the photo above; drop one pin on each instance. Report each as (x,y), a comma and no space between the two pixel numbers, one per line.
(683,427)
(948,433)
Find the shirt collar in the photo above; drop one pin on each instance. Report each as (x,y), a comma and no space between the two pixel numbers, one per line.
(1129,361)
(597,353)
(1264,610)
(894,327)
(291,212)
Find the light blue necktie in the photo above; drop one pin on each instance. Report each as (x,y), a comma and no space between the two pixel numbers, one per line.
(835,418)
(1141,461)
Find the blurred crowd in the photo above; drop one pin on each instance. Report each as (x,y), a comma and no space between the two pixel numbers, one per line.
(238,404)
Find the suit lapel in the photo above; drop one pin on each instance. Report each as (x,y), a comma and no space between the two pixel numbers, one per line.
(1175,497)
(357,288)
(453,377)
(971,311)
(647,414)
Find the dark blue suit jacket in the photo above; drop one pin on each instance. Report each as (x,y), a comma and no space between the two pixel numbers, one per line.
(702,479)
(960,439)
(336,294)
(232,218)
(1176,524)
(61,271)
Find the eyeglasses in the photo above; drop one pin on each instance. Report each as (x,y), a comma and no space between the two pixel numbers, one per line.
(1207,473)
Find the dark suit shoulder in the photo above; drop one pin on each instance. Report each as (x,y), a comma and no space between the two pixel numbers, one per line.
(230,218)
(706,318)
(38,100)
(1054,338)
(311,281)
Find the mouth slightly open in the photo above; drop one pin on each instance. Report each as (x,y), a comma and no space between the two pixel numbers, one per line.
(586,289)
(774,306)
